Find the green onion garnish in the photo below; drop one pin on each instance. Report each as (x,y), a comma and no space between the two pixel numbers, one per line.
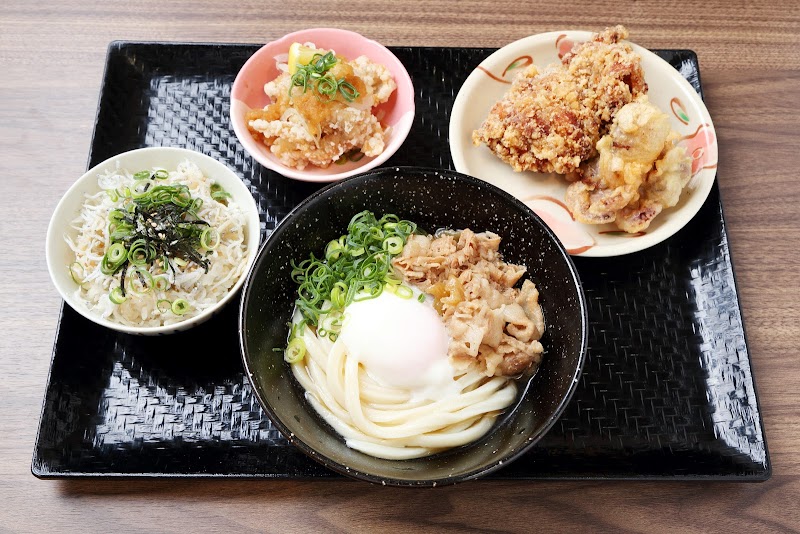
(295,351)
(114,258)
(394,244)
(209,239)
(404,292)
(116,296)
(76,272)
(161,283)
(164,305)
(352,155)
(180,306)
(156,223)
(356,267)
(142,282)
(218,193)
(315,75)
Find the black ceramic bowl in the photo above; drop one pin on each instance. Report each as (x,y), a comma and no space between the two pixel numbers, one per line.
(433,199)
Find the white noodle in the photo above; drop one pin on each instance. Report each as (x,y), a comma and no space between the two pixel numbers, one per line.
(382,421)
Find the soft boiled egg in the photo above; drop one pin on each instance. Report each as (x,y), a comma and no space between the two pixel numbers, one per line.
(400,342)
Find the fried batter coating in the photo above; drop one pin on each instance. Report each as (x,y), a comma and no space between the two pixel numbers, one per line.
(551,121)
(639,171)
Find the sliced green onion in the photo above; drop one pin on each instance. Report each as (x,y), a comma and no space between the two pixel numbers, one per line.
(356,267)
(218,193)
(117,253)
(76,276)
(405,228)
(164,305)
(296,351)
(180,306)
(116,296)
(339,294)
(333,250)
(141,252)
(327,85)
(119,232)
(114,258)
(315,75)
(141,188)
(116,215)
(348,91)
(404,292)
(182,199)
(161,283)
(153,222)
(393,245)
(421,297)
(209,239)
(142,282)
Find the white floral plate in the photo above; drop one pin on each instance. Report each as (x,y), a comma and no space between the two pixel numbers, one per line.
(544,193)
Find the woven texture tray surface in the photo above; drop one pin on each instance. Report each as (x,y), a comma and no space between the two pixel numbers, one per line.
(667,391)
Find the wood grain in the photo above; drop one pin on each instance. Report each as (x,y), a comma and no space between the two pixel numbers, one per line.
(51,64)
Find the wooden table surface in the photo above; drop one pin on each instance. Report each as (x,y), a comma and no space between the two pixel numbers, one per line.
(51,65)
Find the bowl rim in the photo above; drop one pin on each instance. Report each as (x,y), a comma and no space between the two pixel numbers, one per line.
(242,134)
(351,472)
(57,223)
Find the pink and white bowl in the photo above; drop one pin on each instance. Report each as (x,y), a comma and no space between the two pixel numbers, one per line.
(248,93)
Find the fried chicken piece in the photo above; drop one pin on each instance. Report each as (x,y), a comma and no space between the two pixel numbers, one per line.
(551,121)
(311,130)
(639,171)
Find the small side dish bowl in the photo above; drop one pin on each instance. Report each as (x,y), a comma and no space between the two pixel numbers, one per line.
(434,199)
(60,256)
(248,93)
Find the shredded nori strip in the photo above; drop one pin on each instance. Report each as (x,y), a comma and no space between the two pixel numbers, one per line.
(164,219)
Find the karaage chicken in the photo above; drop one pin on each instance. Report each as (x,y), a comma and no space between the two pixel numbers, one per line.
(550,121)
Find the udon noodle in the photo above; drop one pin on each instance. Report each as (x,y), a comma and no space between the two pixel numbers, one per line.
(387,422)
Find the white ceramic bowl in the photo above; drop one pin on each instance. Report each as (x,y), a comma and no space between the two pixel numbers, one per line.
(60,256)
(544,193)
(248,93)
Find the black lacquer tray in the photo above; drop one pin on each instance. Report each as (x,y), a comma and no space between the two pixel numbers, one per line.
(667,391)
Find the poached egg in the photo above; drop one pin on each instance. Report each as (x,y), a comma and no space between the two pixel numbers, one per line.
(400,342)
